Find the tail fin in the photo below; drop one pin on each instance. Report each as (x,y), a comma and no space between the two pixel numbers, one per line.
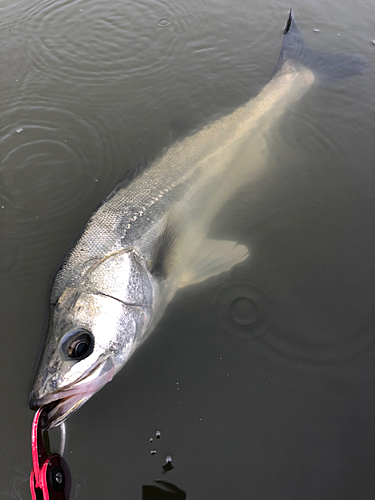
(327,66)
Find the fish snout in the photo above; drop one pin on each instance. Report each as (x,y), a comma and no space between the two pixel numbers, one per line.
(45,385)
(38,399)
(34,403)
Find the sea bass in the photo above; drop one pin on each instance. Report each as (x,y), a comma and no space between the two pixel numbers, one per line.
(149,236)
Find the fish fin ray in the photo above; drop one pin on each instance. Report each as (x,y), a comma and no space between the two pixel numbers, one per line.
(213,258)
(328,66)
(166,251)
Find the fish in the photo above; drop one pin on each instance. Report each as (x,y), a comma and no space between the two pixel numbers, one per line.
(149,237)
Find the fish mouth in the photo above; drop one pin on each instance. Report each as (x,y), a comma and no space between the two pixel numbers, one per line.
(59,410)
(62,403)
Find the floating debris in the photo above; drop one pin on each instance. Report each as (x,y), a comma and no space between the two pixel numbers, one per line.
(168,463)
(316,30)
(19,130)
(151,440)
(157,434)
(153,452)
(373,42)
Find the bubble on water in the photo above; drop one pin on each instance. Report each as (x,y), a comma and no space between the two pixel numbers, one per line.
(153,452)
(168,459)
(316,30)
(163,22)
(151,440)
(157,434)
(373,42)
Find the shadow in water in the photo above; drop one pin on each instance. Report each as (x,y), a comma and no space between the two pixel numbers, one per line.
(162,491)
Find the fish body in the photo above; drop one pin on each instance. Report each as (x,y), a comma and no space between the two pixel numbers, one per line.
(149,237)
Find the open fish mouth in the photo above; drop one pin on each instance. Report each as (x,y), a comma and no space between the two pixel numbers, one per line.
(61,404)
(62,408)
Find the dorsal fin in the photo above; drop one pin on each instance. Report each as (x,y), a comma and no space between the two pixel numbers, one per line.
(133,173)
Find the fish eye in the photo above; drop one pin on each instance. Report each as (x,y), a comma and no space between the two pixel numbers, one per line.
(78,344)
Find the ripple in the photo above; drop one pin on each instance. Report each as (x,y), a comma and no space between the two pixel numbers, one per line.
(10,257)
(82,42)
(163,22)
(287,336)
(300,344)
(42,167)
(88,43)
(242,310)
(50,177)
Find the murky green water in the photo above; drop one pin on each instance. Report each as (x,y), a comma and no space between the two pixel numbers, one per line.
(261,381)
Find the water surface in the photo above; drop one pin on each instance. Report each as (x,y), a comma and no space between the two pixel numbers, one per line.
(260,381)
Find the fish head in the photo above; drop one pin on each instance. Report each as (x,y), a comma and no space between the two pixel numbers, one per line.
(94,328)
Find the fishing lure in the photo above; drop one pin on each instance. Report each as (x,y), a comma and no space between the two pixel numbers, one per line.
(50,476)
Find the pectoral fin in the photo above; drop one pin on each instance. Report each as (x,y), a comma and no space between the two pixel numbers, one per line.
(166,252)
(213,258)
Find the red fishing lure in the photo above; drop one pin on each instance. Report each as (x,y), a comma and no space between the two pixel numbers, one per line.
(50,476)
